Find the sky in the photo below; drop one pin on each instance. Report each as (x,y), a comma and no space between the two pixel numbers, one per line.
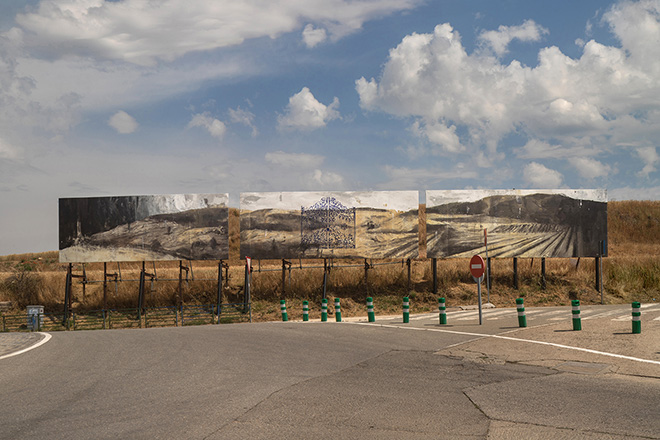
(138,97)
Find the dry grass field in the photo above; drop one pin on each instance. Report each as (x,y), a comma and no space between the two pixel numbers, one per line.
(631,272)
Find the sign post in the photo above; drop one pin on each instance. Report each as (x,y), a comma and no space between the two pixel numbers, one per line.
(477,267)
(487,266)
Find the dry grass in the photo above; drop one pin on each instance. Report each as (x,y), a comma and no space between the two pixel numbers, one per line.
(631,272)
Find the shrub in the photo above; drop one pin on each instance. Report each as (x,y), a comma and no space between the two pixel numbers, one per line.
(23,286)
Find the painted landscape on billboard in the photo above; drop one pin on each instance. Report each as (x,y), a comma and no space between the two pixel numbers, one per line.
(519,223)
(359,224)
(144,228)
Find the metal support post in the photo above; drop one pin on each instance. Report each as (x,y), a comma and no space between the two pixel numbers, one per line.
(284,279)
(409,264)
(543,283)
(515,273)
(143,275)
(488,279)
(366,277)
(219,299)
(434,266)
(67,294)
(248,279)
(597,269)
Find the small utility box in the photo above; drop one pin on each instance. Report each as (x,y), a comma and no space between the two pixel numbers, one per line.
(35,317)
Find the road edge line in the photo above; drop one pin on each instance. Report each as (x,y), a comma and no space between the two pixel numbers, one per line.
(509,338)
(45,339)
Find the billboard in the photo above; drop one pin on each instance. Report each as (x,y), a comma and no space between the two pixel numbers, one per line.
(144,228)
(519,223)
(358,224)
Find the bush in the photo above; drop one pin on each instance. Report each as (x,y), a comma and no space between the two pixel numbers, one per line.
(23,286)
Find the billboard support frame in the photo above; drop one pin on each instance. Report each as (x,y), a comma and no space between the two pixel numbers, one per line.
(515,273)
(220,284)
(434,266)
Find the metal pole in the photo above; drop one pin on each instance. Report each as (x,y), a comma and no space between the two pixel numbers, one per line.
(245,285)
(487,264)
(67,294)
(366,277)
(249,282)
(487,277)
(84,281)
(180,299)
(602,251)
(105,291)
(479,280)
(434,263)
(284,278)
(597,267)
(543,284)
(515,273)
(325,277)
(141,295)
(409,264)
(105,285)
(219,290)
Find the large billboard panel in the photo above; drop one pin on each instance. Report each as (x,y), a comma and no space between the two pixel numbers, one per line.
(358,224)
(518,223)
(144,228)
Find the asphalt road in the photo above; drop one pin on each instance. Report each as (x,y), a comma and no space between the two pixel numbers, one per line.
(386,380)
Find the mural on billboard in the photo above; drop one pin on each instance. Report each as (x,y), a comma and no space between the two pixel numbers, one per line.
(144,228)
(360,224)
(519,223)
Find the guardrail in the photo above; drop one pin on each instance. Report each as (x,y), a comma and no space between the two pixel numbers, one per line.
(128,318)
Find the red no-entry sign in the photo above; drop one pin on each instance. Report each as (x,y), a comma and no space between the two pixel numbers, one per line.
(477,266)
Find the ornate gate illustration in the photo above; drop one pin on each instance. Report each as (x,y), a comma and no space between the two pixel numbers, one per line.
(327,225)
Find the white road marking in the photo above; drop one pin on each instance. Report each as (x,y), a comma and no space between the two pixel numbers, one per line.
(508,338)
(603,314)
(38,344)
(623,318)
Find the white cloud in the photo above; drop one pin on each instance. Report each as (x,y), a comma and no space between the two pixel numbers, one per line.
(499,40)
(245,117)
(7,151)
(313,36)
(649,156)
(539,176)
(215,127)
(538,149)
(142,32)
(304,112)
(441,135)
(123,122)
(603,101)
(590,168)
(296,160)
(327,178)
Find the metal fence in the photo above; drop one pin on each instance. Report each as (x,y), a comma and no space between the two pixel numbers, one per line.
(128,318)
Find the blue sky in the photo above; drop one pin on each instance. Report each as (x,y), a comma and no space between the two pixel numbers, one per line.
(133,97)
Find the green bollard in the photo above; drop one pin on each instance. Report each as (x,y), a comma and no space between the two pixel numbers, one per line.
(370,309)
(406,310)
(324,310)
(636,317)
(577,322)
(285,317)
(305,310)
(337,310)
(443,310)
(522,319)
